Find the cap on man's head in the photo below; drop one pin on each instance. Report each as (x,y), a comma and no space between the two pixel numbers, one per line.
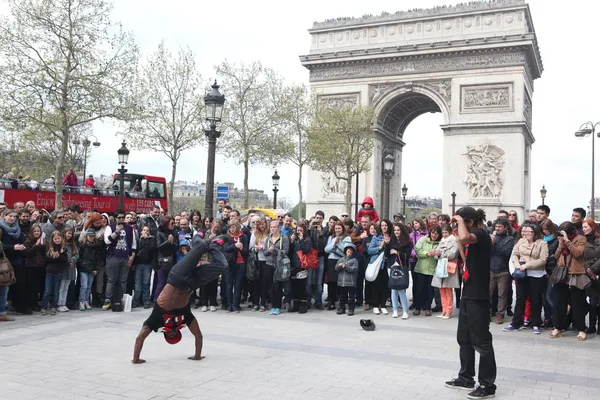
(90,232)
(173,340)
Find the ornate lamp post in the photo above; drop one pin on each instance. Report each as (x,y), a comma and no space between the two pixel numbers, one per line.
(388,171)
(123,153)
(404,192)
(586,129)
(86,144)
(275,178)
(213,102)
(453,202)
(543,192)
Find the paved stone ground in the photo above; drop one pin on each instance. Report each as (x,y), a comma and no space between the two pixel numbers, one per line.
(251,355)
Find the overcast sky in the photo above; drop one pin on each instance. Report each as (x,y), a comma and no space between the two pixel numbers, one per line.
(275,32)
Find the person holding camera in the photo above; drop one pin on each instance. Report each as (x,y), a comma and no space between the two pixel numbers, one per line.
(529,255)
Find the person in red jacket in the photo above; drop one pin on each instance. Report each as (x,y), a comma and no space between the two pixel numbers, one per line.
(367,208)
(90,181)
(70,179)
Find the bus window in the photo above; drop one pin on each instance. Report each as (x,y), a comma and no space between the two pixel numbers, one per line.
(156,190)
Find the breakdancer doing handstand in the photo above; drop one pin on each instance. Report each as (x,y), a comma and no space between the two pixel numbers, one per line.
(203,264)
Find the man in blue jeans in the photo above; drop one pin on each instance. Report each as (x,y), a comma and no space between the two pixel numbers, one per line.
(202,264)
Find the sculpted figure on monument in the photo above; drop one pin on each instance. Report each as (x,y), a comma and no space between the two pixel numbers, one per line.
(484,172)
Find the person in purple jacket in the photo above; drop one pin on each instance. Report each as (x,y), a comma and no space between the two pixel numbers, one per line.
(418,231)
(119,257)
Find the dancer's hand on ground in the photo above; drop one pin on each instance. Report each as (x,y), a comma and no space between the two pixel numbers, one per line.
(140,361)
(195,358)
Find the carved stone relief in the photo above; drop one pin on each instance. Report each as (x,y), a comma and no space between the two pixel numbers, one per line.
(484,175)
(527,109)
(332,187)
(340,100)
(408,65)
(487,98)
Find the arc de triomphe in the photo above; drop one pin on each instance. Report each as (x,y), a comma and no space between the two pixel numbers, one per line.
(475,63)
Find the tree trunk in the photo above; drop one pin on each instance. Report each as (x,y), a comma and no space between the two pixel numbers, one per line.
(300,213)
(349,191)
(59,171)
(246,194)
(172,183)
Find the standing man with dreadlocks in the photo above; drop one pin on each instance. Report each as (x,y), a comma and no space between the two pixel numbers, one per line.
(473,332)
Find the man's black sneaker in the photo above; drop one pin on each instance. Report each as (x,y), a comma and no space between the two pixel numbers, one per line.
(509,312)
(458,383)
(482,392)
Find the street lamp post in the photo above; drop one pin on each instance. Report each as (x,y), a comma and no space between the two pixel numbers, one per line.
(404,192)
(275,178)
(123,153)
(589,128)
(543,192)
(213,102)
(86,144)
(453,202)
(388,171)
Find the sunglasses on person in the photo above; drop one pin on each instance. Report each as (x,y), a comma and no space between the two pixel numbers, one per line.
(344,215)
(280,217)
(513,214)
(120,217)
(60,217)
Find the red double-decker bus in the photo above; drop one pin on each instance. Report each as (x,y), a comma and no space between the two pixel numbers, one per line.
(142,192)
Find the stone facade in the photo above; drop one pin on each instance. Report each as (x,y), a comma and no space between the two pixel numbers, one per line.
(475,63)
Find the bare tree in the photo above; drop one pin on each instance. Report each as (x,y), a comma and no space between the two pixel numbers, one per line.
(340,141)
(170,93)
(252,115)
(63,63)
(299,107)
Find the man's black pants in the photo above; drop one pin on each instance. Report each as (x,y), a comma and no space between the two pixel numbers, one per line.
(188,276)
(473,334)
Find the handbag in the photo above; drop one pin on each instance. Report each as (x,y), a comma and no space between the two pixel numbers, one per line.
(252,266)
(559,275)
(165,263)
(451,267)
(441,269)
(517,273)
(373,268)
(398,277)
(7,272)
(308,260)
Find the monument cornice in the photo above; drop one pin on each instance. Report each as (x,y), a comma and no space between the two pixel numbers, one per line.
(472,7)
(441,61)
(484,129)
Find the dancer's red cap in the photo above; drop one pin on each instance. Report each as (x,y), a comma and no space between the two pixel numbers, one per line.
(173,340)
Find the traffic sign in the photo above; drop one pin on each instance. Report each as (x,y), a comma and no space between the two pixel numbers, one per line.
(222,192)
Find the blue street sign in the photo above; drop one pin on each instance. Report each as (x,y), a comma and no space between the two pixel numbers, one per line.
(222,192)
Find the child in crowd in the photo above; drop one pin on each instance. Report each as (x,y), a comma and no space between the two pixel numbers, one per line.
(184,247)
(57,261)
(368,209)
(69,274)
(347,268)
(88,263)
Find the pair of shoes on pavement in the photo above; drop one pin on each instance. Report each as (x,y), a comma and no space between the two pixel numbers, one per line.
(481,392)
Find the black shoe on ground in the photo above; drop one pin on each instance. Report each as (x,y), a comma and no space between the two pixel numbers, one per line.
(319,307)
(482,392)
(331,307)
(458,383)
(509,312)
(436,309)
(350,313)
(340,311)
(224,307)
(412,306)
(590,330)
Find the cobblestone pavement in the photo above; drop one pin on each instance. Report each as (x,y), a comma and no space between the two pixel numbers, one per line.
(251,355)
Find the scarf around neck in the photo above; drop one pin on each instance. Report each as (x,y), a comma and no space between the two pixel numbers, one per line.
(13,231)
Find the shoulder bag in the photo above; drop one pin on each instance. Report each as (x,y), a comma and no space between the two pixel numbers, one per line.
(308,260)
(252,266)
(518,274)
(374,267)
(441,269)
(398,276)
(282,265)
(7,272)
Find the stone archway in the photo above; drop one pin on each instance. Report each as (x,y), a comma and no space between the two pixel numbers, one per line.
(475,63)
